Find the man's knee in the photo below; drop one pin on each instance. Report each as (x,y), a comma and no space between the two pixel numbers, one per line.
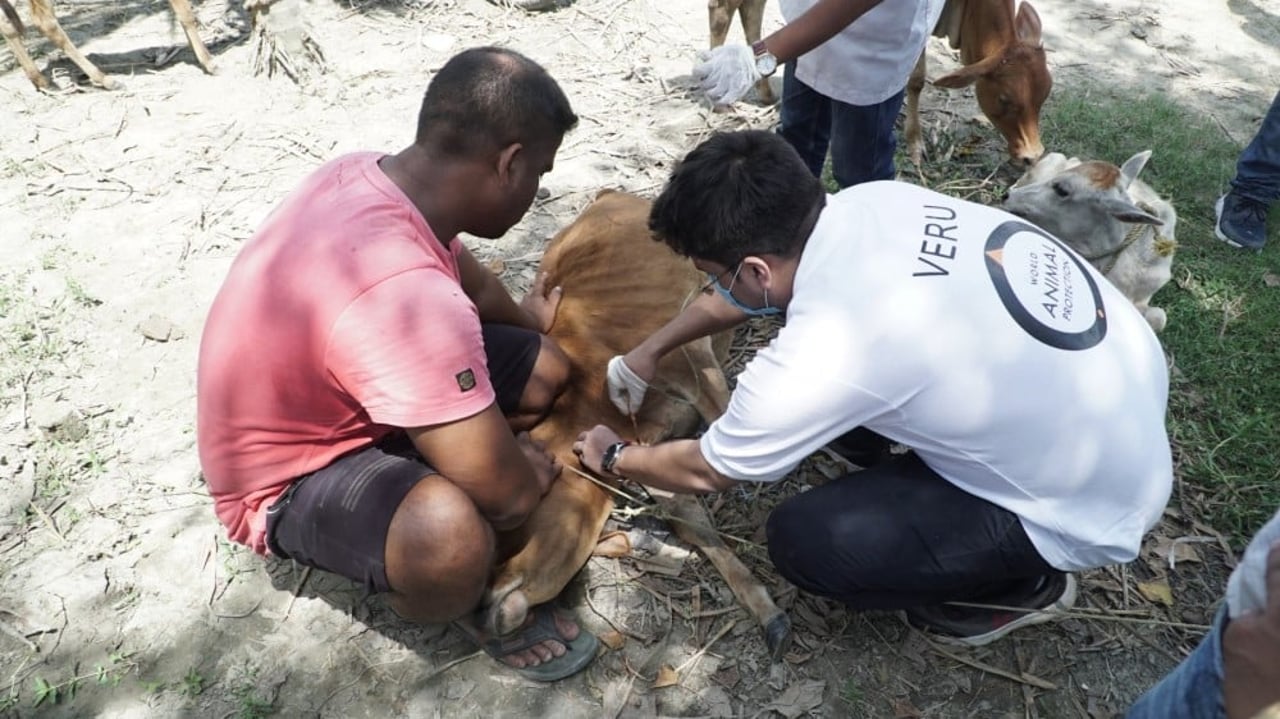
(794,542)
(439,554)
(823,549)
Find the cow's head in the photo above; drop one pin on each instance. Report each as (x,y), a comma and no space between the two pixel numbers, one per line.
(1011,86)
(1084,204)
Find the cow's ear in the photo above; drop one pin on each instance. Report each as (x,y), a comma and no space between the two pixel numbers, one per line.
(1126,211)
(969,74)
(1131,167)
(1028,25)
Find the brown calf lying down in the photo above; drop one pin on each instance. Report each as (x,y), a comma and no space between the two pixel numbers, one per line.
(1003,58)
(751,13)
(42,14)
(620,286)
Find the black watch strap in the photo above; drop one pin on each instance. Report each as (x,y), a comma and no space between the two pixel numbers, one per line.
(610,457)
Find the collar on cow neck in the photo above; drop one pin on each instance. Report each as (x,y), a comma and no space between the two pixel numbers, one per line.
(1164,246)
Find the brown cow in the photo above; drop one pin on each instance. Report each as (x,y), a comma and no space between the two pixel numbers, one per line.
(751,14)
(620,286)
(42,13)
(1003,54)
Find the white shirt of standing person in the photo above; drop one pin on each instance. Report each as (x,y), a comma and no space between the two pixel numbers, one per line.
(870,60)
(1247,587)
(1003,359)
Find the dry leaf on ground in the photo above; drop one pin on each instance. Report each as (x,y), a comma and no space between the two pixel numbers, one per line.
(798,698)
(1158,591)
(666,677)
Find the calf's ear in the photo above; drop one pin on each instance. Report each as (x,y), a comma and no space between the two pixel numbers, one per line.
(1028,25)
(1126,211)
(1131,167)
(969,74)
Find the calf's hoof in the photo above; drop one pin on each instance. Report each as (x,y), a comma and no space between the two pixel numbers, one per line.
(505,609)
(1156,318)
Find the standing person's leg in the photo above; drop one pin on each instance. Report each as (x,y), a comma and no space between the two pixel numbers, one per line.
(806,120)
(863,141)
(898,536)
(1242,212)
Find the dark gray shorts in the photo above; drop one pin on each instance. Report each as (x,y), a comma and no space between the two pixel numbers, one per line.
(337,518)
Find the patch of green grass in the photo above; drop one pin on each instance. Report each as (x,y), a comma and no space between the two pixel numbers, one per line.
(193,683)
(1224,405)
(58,691)
(852,696)
(250,704)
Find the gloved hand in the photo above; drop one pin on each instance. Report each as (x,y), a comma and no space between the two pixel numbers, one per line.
(726,73)
(626,389)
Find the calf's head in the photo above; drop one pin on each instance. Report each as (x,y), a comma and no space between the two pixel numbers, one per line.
(1084,204)
(1011,82)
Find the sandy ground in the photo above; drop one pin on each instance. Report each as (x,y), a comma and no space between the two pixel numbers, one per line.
(119,215)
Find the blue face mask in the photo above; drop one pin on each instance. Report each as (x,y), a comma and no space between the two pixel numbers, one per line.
(727,294)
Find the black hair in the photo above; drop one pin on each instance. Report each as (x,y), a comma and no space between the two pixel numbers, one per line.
(737,194)
(487,98)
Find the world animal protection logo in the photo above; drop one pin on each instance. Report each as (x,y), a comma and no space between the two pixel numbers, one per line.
(1045,287)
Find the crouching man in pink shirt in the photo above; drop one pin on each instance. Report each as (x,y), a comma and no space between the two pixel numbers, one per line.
(364,381)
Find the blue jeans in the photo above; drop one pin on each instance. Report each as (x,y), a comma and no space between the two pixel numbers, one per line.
(1193,690)
(860,137)
(1258,169)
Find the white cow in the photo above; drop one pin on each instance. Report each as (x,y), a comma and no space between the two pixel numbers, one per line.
(1114,220)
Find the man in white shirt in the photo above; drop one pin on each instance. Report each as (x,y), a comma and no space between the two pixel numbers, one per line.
(1030,393)
(846,64)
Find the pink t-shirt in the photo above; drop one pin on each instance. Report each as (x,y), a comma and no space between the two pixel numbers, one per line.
(342,318)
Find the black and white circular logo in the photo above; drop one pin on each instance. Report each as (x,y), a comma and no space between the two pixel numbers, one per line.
(1045,287)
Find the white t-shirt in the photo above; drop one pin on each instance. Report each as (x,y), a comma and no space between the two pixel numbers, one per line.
(1009,365)
(870,60)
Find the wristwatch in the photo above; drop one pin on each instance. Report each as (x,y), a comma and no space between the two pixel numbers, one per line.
(766,63)
(611,455)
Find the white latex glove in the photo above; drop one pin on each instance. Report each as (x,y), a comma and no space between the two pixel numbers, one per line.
(626,389)
(726,73)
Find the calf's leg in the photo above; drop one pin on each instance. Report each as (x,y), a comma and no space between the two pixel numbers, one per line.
(911,123)
(187,18)
(11,27)
(751,13)
(42,13)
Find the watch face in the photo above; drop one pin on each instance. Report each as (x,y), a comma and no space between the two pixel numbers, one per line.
(610,457)
(766,64)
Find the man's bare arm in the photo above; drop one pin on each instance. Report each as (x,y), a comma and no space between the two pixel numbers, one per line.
(676,466)
(706,315)
(817,25)
(504,476)
(496,305)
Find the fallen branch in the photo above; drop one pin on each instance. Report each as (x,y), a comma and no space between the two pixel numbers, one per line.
(984,667)
(306,574)
(698,654)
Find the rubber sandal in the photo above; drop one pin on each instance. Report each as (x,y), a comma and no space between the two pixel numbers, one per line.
(578,653)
